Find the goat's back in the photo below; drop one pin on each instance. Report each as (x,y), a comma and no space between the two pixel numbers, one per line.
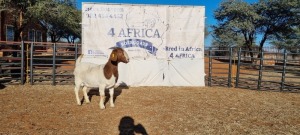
(81,67)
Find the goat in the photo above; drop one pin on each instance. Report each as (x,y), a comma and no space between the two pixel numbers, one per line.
(89,75)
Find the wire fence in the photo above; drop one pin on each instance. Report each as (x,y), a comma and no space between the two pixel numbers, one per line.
(53,63)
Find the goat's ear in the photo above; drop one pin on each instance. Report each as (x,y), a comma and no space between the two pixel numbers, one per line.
(113,55)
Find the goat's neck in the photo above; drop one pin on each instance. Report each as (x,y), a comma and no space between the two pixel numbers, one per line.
(111,68)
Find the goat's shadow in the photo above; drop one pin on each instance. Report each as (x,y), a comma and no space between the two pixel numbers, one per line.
(95,92)
(2,86)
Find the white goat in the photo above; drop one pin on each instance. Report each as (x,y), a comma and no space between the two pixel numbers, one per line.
(89,75)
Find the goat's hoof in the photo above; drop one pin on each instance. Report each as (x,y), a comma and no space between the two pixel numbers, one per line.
(112,105)
(87,102)
(102,107)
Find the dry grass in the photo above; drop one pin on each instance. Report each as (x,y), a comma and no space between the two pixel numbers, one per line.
(43,109)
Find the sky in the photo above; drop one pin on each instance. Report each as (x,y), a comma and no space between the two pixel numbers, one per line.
(210,7)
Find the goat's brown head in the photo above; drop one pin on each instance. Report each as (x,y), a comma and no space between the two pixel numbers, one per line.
(119,55)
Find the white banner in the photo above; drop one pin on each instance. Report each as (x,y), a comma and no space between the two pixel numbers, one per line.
(165,43)
(145,31)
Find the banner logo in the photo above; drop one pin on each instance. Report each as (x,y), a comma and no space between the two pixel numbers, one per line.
(138,43)
(95,52)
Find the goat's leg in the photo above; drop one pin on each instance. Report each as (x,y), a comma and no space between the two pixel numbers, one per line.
(102,96)
(111,98)
(86,98)
(76,90)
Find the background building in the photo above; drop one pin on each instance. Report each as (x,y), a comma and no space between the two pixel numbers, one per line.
(31,32)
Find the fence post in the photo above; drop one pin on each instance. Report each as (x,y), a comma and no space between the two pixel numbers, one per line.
(76,51)
(22,62)
(261,60)
(238,68)
(53,63)
(230,67)
(283,70)
(210,66)
(31,64)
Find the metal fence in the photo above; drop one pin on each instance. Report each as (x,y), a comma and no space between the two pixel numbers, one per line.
(260,70)
(37,62)
(53,63)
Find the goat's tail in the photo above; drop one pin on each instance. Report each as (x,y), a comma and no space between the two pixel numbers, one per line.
(79,59)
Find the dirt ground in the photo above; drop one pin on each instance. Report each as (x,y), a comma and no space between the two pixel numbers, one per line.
(45,109)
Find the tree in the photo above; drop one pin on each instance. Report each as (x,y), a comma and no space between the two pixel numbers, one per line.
(60,19)
(289,42)
(73,27)
(268,18)
(278,17)
(235,19)
(227,38)
(72,19)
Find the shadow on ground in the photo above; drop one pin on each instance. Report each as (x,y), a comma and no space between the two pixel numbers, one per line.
(2,86)
(127,127)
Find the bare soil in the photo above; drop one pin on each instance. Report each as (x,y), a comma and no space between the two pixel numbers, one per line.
(45,109)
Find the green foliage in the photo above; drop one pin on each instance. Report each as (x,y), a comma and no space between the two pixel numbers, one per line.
(237,15)
(58,18)
(290,42)
(268,18)
(279,17)
(236,24)
(15,5)
(228,40)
